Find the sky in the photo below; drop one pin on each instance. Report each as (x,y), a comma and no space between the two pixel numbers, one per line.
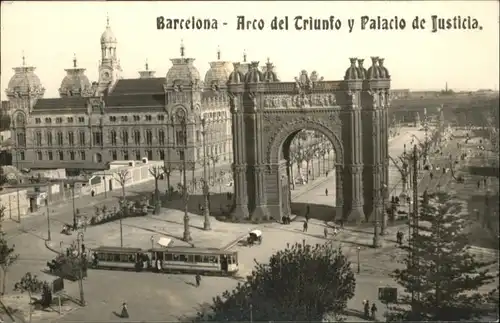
(51,33)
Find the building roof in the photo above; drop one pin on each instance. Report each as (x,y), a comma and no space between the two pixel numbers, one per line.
(135,100)
(139,86)
(69,103)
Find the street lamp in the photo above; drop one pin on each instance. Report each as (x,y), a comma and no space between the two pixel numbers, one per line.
(182,152)
(385,193)
(206,210)
(48,217)
(81,258)
(359,266)
(215,160)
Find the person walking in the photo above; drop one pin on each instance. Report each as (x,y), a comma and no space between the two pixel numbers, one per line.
(305,227)
(124,313)
(198,280)
(325,232)
(366,311)
(326,192)
(374,311)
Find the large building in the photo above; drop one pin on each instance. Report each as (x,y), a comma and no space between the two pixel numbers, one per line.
(92,124)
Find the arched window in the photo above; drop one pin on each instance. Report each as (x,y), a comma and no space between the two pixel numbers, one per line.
(20,120)
(60,140)
(137,137)
(112,137)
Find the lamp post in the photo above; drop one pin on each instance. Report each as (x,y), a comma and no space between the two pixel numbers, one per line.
(81,258)
(206,211)
(215,160)
(152,241)
(48,217)
(359,266)
(385,193)
(182,152)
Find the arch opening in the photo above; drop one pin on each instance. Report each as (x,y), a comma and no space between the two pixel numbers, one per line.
(311,159)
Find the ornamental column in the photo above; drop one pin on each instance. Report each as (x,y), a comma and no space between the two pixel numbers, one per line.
(240,206)
(339,190)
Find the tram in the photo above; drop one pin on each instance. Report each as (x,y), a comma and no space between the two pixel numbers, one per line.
(168,260)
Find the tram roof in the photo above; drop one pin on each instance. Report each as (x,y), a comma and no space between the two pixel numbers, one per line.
(191,250)
(117,249)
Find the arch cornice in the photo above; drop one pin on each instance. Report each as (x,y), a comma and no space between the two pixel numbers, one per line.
(279,136)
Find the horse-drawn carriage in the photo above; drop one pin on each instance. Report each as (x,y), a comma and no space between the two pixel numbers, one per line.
(254,236)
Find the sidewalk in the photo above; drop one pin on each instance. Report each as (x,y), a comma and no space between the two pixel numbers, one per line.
(139,232)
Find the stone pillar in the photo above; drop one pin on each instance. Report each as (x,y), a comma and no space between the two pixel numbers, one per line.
(240,207)
(339,190)
(260,211)
(354,168)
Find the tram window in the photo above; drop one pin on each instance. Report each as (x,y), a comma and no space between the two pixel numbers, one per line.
(116,258)
(190,258)
(233,259)
(102,256)
(131,258)
(169,257)
(160,255)
(175,257)
(214,259)
(198,258)
(183,258)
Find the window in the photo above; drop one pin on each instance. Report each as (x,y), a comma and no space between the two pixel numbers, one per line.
(72,155)
(21,155)
(81,138)
(21,139)
(149,137)
(162,155)
(179,137)
(125,137)
(70,119)
(137,137)
(148,118)
(97,138)
(61,155)
(59,120)
(38,120)
(161,117)
(71,138)
(82,155)
(59,139)
(137,155)
(197,135)
(161,137)
(51,156)
(112,137)
(49,138)
(124,118)
(181,155)
(39,155)
(48,120)
(81,119)
(149,154)
(137,118)
(114,155)
(38,139)
(125,154)
(112,118)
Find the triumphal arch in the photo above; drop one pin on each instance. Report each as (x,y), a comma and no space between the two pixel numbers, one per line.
(351,113)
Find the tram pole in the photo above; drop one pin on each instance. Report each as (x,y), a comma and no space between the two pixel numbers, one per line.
(80,238)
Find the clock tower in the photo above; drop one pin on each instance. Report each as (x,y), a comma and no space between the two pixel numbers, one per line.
(109,67)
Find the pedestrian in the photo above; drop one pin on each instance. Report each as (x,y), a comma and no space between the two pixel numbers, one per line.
(124,314)
(366,308)
(83,248)
(478,184)
(374,311)
(326,191)
(327,172)
(197,279)
(431,175)
(304,227)
(325,232)
(485,181)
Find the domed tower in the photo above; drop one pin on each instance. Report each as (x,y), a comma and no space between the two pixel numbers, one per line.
(109,67)
(75,83)
(361,69)
(254,75)
(269,75)
(351,74)
(183,74)
(147,73)
(24,88)
(373,72)
(218,74)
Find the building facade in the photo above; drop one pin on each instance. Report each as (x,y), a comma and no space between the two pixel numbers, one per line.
(92,124)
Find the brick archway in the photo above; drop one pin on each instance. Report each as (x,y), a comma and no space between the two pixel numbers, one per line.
(352,114)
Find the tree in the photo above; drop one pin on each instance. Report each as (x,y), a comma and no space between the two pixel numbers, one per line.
(442,274)
(167,170)
(122,177)
(156,172)
(7,253)
(3,177)
(30,284)
(290,288)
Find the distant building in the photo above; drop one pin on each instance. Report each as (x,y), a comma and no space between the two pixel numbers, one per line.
(92,124)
